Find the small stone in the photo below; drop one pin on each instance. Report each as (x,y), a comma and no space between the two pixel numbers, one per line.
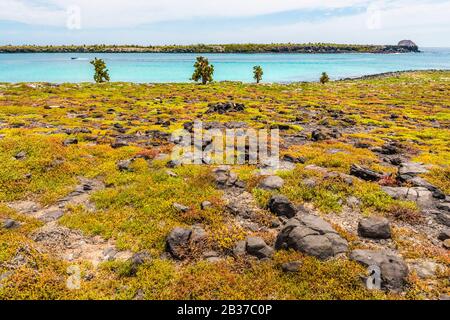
(257,247)
(375,228)
(353,202)
(180,207)
(293,266)
(109,254)
(444,206)
(137,260)
(171,173)
(88,277)
(240,248)
(289,158)
(443,218)
(139,295)
(271,183)
(70,141)
(240,184)
(362,145)
(365,173)
(52,215)
(10,224)
(309,182)
(173,163)
(205,205)
(348,180)
(224,178)
(444,235)
(119,144)
(21,155)
(319,135)
(446,244)
(125,165)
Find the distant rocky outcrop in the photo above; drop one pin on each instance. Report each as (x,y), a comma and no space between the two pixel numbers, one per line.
(407,43)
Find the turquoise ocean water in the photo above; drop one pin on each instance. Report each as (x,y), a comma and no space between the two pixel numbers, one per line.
(173,67)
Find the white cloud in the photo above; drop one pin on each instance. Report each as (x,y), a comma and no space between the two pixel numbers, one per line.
(19,11)
(118,13)
(425,22)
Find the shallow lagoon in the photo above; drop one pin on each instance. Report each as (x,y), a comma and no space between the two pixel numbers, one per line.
(177,67)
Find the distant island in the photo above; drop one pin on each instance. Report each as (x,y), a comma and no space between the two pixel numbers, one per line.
(403,46)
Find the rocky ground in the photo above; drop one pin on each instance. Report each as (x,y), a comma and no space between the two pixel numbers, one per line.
(362,190)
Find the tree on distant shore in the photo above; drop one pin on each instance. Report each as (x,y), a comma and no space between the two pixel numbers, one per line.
(101,73)
(257,73)
(203,70)
(324,78)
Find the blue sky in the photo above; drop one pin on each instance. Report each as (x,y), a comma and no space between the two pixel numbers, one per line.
(217,21)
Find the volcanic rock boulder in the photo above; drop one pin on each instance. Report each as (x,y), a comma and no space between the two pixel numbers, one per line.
(256,246)
(422,196)
(393,270)
(311,235)
(177,239)
(224,178)
(409,170)
(375,228)
(365,173)
(180,240)
(420,182)
(323,134)
(271,183)
(281,206)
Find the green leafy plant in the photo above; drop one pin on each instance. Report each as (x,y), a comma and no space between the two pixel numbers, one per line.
(101,73)
(324,78)
(203,70)
(257,73)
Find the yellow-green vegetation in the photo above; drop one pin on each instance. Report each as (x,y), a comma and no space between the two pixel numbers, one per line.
(135,209)
(217,48)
